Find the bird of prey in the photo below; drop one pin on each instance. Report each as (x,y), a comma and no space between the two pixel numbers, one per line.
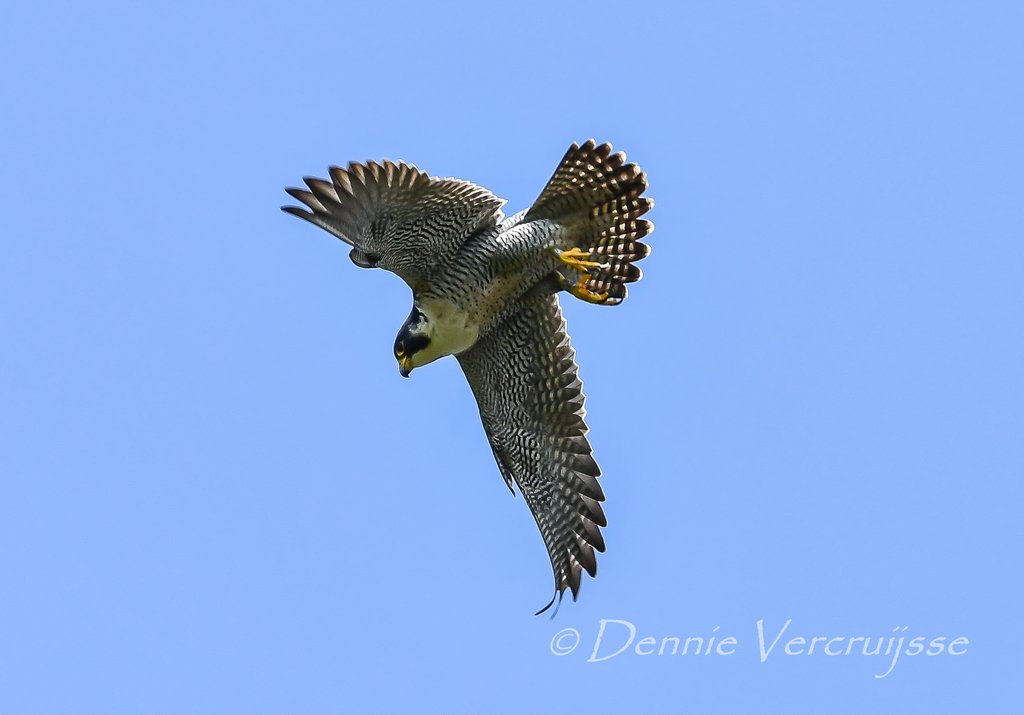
(485,289)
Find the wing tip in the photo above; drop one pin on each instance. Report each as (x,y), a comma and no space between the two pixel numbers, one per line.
(296,211)
(559,592)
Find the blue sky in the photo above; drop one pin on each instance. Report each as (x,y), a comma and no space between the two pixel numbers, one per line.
(218,494)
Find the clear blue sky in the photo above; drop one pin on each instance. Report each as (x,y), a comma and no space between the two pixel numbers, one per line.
(219,496)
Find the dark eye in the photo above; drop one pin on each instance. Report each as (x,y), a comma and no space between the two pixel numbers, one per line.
(400,349)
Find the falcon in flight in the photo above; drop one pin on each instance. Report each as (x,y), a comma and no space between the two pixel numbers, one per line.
(485,289)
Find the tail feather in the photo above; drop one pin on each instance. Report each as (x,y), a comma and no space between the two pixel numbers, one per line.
(598,199)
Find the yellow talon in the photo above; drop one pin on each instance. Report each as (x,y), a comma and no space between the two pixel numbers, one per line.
(583,293)
(574,258)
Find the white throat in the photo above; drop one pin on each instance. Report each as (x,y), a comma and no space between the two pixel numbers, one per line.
(452,329)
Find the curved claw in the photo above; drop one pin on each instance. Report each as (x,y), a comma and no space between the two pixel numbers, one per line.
(583,293)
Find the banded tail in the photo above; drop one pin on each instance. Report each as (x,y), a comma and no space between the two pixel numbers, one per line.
(597,198)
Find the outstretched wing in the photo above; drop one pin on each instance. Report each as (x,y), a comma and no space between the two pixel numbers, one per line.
(523,374)
(395,216)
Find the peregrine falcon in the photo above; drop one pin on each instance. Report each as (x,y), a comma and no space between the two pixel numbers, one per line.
(485,289)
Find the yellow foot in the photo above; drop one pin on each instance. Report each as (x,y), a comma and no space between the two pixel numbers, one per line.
(574,258)
(583,293)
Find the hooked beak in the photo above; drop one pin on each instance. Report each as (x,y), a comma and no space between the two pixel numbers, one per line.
(405,365)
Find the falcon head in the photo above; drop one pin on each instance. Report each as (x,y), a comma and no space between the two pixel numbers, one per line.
(413,344)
